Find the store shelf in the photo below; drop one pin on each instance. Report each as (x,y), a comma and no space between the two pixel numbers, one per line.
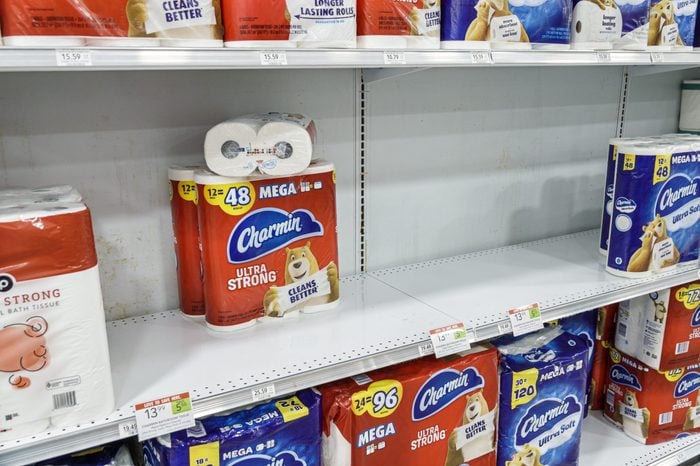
(383,319)
(604,444)
(46,59)
(564,274)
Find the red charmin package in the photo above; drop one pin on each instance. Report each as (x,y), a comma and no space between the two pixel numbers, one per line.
(652,406)
(398,17)
(183,206)
(599,374)
(605,329)
(269,245)
(247,20)
(425,412)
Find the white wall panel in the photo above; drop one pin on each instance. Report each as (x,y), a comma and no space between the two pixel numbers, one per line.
(113,135)
(461,160)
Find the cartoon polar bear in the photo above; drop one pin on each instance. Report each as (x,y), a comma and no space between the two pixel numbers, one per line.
(300,265)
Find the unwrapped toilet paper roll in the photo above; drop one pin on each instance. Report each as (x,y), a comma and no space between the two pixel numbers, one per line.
(690,106)
(272,143)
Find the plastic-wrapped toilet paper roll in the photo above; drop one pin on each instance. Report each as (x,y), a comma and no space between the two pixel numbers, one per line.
(690,106)
(595,25)
(383,23)
(462,25)
(608,194)
(10,198)
(52,328)
(272,143)
(122,42)
(183,205)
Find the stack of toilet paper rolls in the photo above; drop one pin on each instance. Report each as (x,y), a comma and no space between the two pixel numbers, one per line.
(388,24)
(137,23)
(290,23)
(54,355)
(651,204)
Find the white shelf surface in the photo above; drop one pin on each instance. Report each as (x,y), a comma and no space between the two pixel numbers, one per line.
(384,318)
(605,445)
(564,274)
(113,58)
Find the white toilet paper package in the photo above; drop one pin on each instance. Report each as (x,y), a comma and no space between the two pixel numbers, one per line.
(595,24)
(54,361)
(271,143)
(391,24)
(290,23)
(656,206)
(283,432)
(119,23)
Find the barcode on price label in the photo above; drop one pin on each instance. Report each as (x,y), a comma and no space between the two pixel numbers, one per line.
(603,56)
(525,319)
(425,349)
(74,57)
(128,429)
(657,57)
(163,416)
(263,393)
(481,56)
(273,58)
(394,58)
(449,340)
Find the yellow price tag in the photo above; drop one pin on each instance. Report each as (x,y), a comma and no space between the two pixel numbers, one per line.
(629,162)
(187,190)
(292,409)
(379,400)
(689,296)
(233,198)
(524,387)
(662,168)
(205,455)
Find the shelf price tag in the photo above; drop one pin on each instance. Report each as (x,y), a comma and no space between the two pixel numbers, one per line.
(657,57)
(128,429)
(449,340)
(163,416)
(481,57)
(525,319)
(425,349)
(394,58)
(263,393)
(603,56)
(273,58)
(74,57)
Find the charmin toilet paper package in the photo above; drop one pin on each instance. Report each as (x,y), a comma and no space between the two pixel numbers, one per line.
(662,329)
(290,23)
(595,24)
(652,406)
(657,24)
(656,207)
(389,24)
(270,143)
(283,432)
(635,17)
(543,392)
(690,107)
(54,360)
(608,194)
(269,245)
(11,198)
(463,24)
(583,325)
(605,336)
(424,412)
(183,206)
(177,23)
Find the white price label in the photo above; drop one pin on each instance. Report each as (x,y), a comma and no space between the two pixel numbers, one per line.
(263,393)
(74,57)
(426,349)
(273,58)
(163,416)
(481,57)
(394,58)
(603,56)
(504,327)
(128,429)
(449,340)
(657,57)
(525,319)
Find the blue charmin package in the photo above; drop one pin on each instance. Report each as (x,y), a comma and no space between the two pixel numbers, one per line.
(456,17)
(284,432)
(635,14)
(545,21)
(672,22)
(654,224)
(584,326)
(608,195)
(543,384)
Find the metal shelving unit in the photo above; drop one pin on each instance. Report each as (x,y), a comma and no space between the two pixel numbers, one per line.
(390,311)
(47,59)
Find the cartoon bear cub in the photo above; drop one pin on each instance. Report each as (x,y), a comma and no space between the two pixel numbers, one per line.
(529,456)
(654,233)
(486,11)
(633,427)
(137,14)
(661,15)
(476,407)
(23,349)
(690,422)
(300,265)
